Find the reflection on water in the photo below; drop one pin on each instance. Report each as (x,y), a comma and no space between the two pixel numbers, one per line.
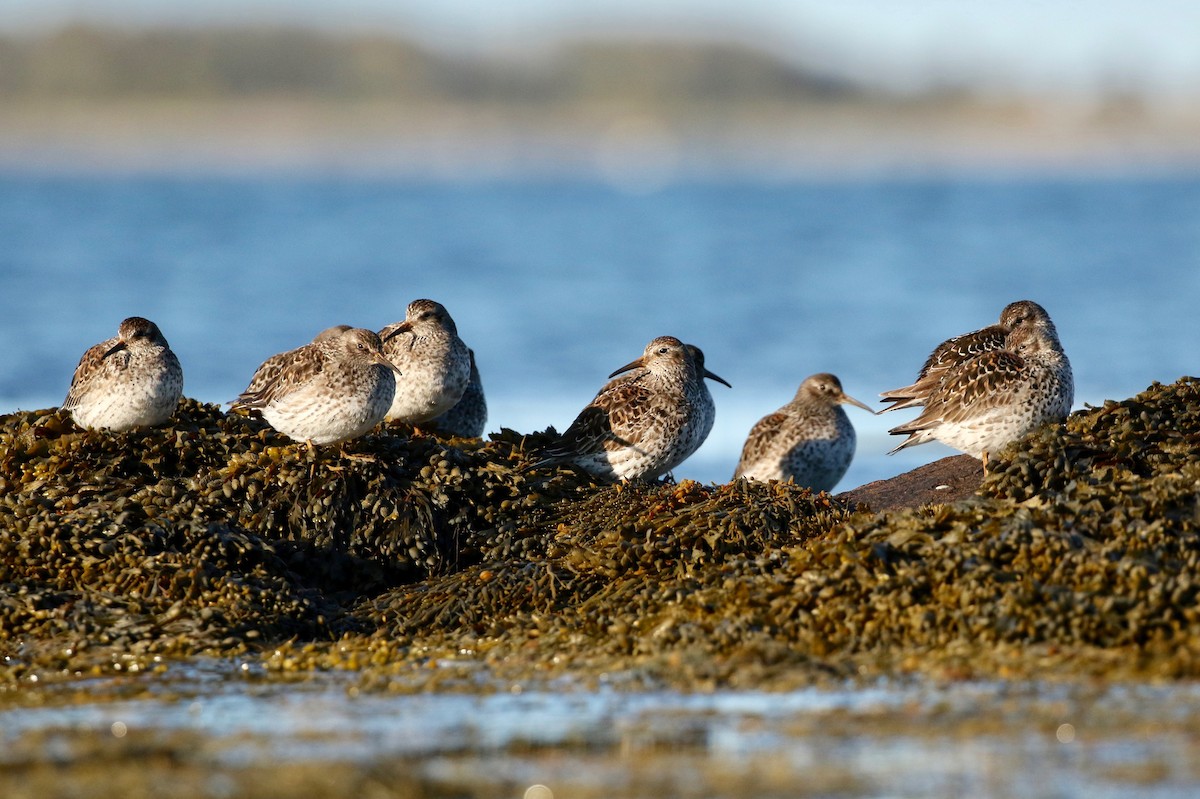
(972,739)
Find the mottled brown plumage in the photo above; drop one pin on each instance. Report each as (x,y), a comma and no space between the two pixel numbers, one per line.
(962,348)
(809,441)
(131,380)
(643,424)
(468,417)
(987,401)
(435,362)
(268,373)
(334,389)
(706,409)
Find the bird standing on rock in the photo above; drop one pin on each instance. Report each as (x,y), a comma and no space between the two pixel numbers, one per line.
(333,389)
(435,362)
(644,422)
(985,402)
(809,441)
(131,380)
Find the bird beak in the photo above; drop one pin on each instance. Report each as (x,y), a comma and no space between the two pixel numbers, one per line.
(383,359)
(720,380)
(848,400)
(120,345)
(403,327)
(631,365)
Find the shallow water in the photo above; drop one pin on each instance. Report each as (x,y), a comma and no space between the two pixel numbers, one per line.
(555,283)
(884,740)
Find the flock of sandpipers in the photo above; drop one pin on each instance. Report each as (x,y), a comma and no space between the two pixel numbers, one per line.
(977,392)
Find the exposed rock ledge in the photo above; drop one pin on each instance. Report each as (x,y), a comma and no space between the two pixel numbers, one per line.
(947,480)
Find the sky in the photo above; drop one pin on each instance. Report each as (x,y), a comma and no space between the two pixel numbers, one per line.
(1151,44)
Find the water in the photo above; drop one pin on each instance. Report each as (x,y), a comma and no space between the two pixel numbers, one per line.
(555,283)
(982,739)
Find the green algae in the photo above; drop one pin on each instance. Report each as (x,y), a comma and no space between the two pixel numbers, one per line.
(401,553)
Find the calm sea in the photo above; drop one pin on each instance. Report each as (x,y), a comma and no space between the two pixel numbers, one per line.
(555,283)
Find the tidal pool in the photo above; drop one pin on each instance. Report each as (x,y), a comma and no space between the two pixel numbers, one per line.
(222,729)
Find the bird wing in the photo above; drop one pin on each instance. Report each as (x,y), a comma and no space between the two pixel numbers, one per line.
(620,406)
(945,356)
(91,364)
(963,348)
(280,375)
(990,376)
(759,438)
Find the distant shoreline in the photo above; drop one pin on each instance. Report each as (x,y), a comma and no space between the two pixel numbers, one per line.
(628,143)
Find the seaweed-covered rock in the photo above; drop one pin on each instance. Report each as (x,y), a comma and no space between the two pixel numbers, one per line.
(214,531)
(1153,434)
(214,534)
(1082,547)
(626,543)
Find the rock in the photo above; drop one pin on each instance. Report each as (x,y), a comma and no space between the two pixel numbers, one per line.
(1079,553)
(947,480)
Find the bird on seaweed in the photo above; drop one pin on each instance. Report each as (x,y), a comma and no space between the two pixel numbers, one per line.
(468,417)
(269,371)
(130,380)
(652,414)
(809,441)
(331,390)
(435,362)
(954,351)
(985,402)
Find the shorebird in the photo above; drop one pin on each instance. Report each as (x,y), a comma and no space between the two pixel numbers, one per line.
(127,381)
(643,424)
(954,351)
(468,417)
(333,389)
(985,402)
(435,362)
(809,440)
(270,369)
(706,409)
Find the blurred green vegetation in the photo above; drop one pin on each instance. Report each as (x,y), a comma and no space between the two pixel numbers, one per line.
(627,105)
(84,62)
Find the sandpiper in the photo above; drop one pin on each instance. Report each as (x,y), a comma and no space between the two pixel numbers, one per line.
(127,381)
(987,401)
(268,372)
(706,409)
(333,389)
(954,351)
(644,424)
(468,417)
(435,362)
(809,440)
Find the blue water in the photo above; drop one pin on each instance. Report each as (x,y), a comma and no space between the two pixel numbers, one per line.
(555,283)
